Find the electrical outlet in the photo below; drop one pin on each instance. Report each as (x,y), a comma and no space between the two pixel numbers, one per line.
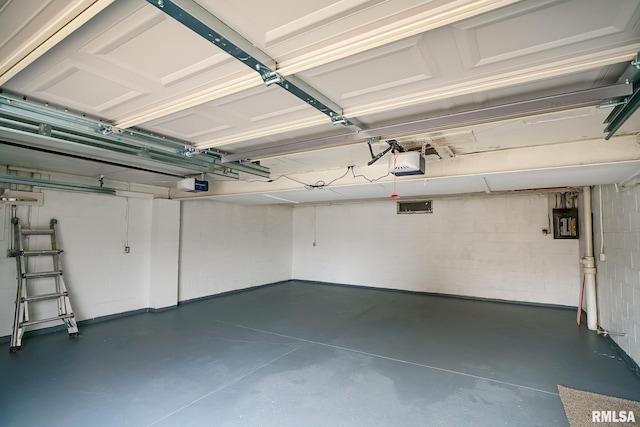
(602,257)
(127,249)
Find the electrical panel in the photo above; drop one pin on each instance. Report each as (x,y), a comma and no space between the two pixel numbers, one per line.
(565,223)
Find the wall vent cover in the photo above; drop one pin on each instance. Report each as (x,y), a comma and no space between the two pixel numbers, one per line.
(415,206)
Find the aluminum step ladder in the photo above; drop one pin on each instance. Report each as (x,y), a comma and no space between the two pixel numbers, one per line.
(22,319)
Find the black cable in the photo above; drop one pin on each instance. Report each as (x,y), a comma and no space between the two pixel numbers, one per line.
(322,184)
(318,185)
(368,179)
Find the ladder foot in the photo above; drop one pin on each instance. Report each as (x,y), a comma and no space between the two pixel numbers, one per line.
(74,334)
(14,349)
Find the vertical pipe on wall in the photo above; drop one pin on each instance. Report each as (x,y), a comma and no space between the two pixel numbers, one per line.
(588,264)
(601,215)
(11,236)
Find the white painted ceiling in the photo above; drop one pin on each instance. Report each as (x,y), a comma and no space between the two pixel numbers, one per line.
(382,62)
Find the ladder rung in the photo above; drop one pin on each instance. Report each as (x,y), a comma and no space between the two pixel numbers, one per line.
(35,231)
(42,252)
(46,296)
(51,319)
(42,274)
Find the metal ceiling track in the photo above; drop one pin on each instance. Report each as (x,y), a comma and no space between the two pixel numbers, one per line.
(23,180)
(625,106)
(548,104)
(202,22)
(26,122)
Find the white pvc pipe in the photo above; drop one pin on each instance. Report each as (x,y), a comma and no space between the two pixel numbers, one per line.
(601,215)
(589,265)
(588,222)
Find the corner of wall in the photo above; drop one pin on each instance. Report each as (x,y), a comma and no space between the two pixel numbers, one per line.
(617,237)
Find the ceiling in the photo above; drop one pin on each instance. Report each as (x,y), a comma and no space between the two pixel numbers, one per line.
(407,70)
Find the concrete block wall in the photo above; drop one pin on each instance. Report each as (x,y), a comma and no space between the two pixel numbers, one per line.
(7,274)
(93,229)
(101,277)
(484,246)
(165,245)
(618,277)
(225,247)
(481,246)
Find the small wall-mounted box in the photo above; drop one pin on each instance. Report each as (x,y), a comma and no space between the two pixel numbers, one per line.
(193,185)
(565,224)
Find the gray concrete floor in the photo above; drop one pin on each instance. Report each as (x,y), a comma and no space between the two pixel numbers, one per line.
(302,354)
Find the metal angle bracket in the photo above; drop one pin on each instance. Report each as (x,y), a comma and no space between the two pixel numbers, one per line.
(624,106)
(44,129)
(270,77)
(622,113)
(202,22)
(109,130)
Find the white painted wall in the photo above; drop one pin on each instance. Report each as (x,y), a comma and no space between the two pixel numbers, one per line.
(483,246)
(224,247)
(7,275)
(165,245)
(618,278)
(101,278)
(93,228)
